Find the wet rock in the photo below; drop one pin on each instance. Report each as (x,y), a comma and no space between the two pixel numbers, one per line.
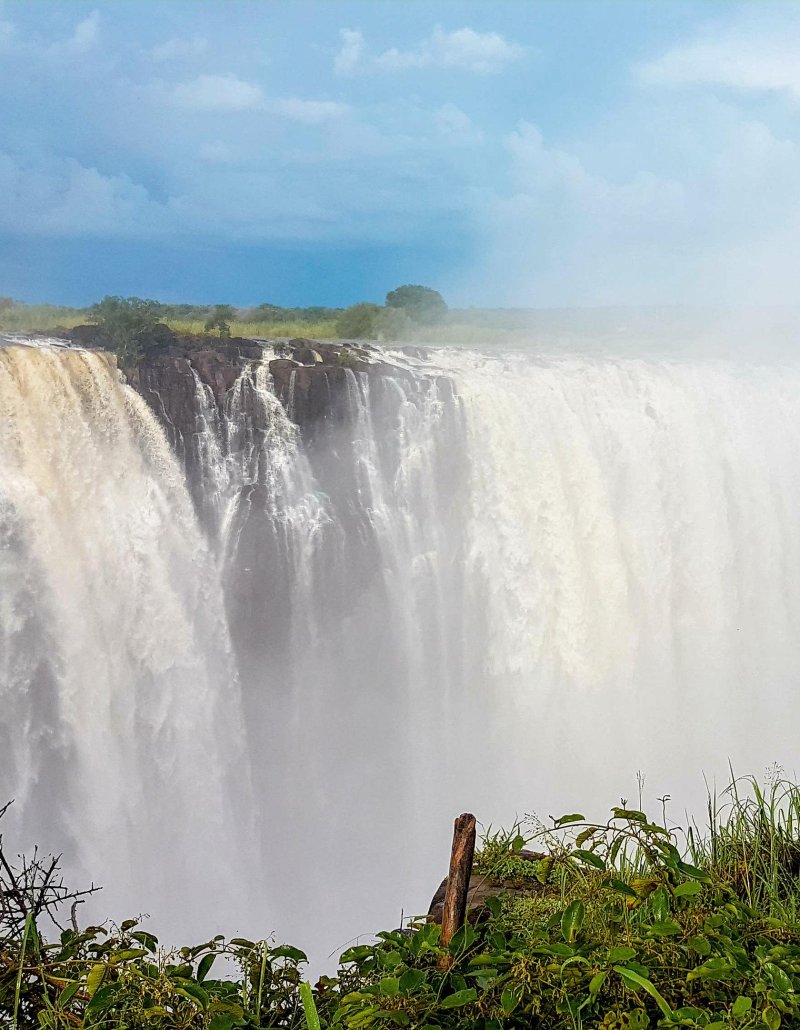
(308,356)
(481,888)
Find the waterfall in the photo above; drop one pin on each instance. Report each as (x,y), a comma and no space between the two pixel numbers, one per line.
(121,728)
(503,582)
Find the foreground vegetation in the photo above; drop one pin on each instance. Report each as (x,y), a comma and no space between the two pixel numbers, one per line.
(619,924)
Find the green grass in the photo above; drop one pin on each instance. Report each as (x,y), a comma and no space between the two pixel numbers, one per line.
(32,318)
(322,330)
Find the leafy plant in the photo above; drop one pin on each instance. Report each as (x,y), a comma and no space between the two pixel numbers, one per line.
(621,924)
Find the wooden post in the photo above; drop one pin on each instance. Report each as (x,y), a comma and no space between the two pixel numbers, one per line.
(462,854)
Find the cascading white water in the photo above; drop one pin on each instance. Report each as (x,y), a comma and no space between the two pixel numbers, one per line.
(498,582)
(121,725)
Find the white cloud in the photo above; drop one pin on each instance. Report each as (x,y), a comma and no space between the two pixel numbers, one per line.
(724,229)
(218,93)
(463,49)
(176,49)
(742,56)
(227,93)
(350,52)
(64,197)
(310,112)
(85,37)
(455,125)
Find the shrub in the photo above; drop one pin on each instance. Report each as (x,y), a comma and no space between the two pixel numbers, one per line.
(358,322)
(128,323)
(220,318)
(617,924)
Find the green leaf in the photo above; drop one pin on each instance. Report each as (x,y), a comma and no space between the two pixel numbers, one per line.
(780,981)
(494,905)
(126,956)
(454,1001)
(617,955)
(206,962)
(509,1000)
(224,1021)
(147,939)
(667,928)
(741,1006)
(630,814)
(543,868)
(390,959)
(693,872)
(576,817)
(659,903)
(95,978)
(463,938)
(572,920)
(688,889)
(589,857)
(395,1016)
(771,1017)
(412,979)
(701,945)
(390,985)
(599,979)
(67,993)
(518,843)
(287,951)
(309,1007)
(622,888)
(193,991)
(634,980)
(718,969)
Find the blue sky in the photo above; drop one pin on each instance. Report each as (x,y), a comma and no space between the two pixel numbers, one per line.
(527,152)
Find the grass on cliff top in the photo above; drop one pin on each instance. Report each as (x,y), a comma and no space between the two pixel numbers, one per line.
(39,318)
(621,924)
(322,330)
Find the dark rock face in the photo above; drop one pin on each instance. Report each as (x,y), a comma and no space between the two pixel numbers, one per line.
(187,380)
(310,381)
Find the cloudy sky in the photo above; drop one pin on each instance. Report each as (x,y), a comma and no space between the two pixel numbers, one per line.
(527,152)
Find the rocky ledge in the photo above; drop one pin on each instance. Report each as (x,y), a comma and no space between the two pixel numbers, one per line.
(310,377)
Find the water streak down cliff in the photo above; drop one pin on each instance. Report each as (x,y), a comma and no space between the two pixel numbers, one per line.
(350,596)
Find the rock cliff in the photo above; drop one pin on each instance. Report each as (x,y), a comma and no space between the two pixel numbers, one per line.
(181,376)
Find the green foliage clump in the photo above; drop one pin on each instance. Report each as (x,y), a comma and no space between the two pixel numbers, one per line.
(129,324)
(358,322)
(220,317)
(422,304)
(617,925)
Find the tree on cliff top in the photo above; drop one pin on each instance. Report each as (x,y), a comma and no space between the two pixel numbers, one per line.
(129,323)
(422,304)
(220,317)
(358,322)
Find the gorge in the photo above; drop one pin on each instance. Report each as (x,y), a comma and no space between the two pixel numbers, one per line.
(266,608)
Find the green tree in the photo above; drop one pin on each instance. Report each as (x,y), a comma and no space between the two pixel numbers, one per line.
(393,324)
(129,323)
(220,317)
(358,322)
(422,304)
